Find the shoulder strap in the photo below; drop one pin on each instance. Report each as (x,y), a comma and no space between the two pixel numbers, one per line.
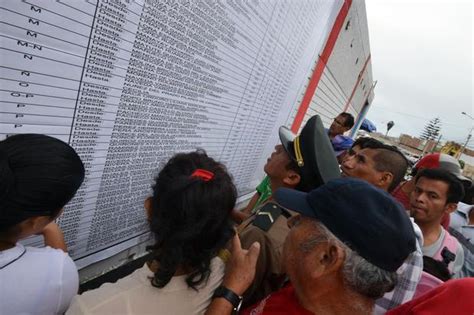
(451,245)
(462,239)
(449,242)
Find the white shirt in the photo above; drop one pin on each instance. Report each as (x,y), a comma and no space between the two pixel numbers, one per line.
(460,222)
(134,294)
(36,281)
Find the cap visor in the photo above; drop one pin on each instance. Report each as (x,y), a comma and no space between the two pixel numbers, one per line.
(286,137)
(294,200)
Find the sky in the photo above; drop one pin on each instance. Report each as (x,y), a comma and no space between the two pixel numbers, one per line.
(422,60)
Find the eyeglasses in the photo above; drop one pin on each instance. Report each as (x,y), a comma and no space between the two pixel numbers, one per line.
(338,122)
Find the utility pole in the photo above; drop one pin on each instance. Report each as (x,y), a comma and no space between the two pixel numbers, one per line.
(468,136)
(465,143)
(437,142)
(425,148)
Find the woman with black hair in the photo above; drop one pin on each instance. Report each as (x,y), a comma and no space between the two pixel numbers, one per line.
(38,176)
(189,214)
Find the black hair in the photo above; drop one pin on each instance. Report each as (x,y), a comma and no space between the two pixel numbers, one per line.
(455,187)
(293,166)
(305,184)
(389,158)
(190,217)
(39,175)
(364,143)
(367,142)
(348,120)
(469,193)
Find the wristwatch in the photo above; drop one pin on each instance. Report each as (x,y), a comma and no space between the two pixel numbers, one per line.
(229,295)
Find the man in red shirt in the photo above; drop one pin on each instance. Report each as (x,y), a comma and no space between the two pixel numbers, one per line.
(336,254)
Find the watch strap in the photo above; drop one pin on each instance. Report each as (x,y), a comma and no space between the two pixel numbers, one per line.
(229,295)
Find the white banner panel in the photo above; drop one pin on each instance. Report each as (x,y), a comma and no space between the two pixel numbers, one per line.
(129,83)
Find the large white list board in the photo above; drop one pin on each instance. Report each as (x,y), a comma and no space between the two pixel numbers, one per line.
(129,83)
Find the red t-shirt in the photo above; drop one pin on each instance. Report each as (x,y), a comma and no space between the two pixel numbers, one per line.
(282,302)
(452,297)
(401,196)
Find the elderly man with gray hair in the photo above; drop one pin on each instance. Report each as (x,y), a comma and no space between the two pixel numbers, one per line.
(341,254)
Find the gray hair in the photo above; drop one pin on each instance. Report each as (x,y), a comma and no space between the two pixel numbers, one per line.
(358,274)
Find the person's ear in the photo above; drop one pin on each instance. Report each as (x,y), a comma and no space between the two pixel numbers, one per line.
(450,207)
(292,179)
(328,258)
(148,208)
(386,180)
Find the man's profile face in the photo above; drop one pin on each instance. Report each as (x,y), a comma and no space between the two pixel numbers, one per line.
(428,200)
(277,162)
(338,126)
(361,165)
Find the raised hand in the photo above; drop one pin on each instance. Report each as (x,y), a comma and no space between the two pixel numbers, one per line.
(240,269)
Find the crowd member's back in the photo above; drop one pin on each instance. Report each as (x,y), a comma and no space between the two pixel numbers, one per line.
(39,175)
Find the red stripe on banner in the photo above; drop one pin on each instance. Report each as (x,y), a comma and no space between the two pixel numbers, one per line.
(318,71)
(357,83)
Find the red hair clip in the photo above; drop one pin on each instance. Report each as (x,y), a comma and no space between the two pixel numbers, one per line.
(203,174)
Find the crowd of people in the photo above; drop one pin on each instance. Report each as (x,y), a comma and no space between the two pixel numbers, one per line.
(336,227)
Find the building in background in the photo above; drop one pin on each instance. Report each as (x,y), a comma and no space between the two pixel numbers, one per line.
(418,144)
(342,78)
